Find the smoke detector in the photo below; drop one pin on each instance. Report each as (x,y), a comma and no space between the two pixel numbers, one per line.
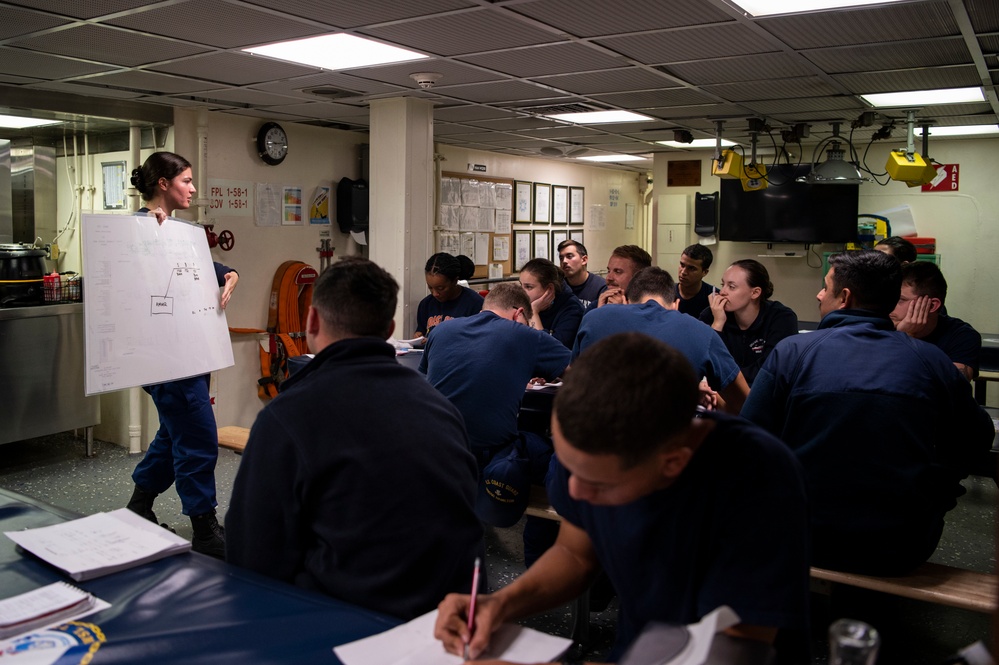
(426,80)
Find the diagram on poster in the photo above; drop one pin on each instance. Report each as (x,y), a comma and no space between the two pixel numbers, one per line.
(152,307)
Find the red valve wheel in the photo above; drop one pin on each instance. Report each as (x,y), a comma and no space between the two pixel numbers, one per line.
(227,240)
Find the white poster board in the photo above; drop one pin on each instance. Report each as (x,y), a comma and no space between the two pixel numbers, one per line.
(152,307)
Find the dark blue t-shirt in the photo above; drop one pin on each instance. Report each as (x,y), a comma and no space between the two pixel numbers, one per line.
(589,290)
(961,342)
(431,311)
(482,364)
(561,320)
(732,530)
(695,340)
(695,305)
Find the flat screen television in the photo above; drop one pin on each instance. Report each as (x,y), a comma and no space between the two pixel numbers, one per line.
(788,211)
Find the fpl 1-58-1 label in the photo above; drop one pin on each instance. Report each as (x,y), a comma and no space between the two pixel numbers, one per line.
(232,198)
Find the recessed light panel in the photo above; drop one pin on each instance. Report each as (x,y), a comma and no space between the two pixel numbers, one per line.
(616,158)
(914,98)
(600,117)
(19,122)
(696,143)
(337,51)
(770,7)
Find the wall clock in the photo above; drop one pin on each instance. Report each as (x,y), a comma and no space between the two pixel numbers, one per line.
(272,143)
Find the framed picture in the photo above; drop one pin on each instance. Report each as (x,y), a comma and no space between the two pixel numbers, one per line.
(560,204)
(558,235)
(542,203)
(576,206)
(542,245)
(577,235)
(522,249)
(522,201)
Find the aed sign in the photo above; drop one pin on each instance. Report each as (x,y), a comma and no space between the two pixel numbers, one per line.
(946,180)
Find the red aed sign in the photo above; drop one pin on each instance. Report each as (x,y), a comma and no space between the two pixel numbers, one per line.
(946,180)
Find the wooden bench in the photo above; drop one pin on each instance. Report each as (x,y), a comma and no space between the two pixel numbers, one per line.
(233,438)
(931,582)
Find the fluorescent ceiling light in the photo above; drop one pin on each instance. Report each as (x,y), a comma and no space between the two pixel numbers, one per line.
(616,158)
(600,117)
(19,122)
(769,7)
(962,130)
(337,51)
(925,97)
(697,143)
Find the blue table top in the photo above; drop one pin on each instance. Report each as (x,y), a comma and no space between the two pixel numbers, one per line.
(191,608)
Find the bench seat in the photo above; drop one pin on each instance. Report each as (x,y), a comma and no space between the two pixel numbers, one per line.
(233,438)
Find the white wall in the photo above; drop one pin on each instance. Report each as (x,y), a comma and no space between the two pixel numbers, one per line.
(965,224)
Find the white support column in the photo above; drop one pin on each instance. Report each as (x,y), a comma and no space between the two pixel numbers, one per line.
(401,196)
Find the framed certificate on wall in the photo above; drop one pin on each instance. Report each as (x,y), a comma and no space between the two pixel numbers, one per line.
(542,245)
(576,206)
(521,249)
(542,203)
(522,201)
(560,204)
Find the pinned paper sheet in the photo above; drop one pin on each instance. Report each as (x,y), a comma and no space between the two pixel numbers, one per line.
(414,643)
(901,220)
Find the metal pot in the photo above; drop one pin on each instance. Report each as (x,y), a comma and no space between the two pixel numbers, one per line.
(22,271)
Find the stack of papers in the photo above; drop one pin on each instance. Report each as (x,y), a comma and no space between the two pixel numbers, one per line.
(47,606)
(100,544)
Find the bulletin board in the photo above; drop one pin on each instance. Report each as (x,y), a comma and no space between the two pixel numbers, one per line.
(475,218)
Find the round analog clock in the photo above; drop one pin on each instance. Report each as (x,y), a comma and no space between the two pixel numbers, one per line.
(272,143)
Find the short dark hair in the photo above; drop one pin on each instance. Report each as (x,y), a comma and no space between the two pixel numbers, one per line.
(655,398)
(580,248)
(158,165)
(546,272)
(901,249)
(874,278)
(651,281)
(508,295)
(356,297)
(756,276)
(635,254)
(700,253)
(450,266)
(925,279)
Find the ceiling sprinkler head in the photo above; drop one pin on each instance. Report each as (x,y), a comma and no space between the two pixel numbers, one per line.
(426,80)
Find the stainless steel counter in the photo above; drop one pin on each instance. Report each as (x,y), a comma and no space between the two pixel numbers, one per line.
(42,372)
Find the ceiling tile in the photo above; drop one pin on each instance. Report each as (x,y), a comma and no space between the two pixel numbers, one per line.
(251,97)
(864,25)
(214,22)
(695,111)
(917,79)
(741,68)
(17,22)
(809,86)
(323,110)
(805,104)
(687,44)
(350,13)
(514,124)
(656,98)
(234,68)
(984,15)
(85,9)
(576,17)
(44,66)
(875,57)
(466,113)
(549,59)
(470,32)
(501,91)
(150,82)
(86,90)
(614,80)
(454,73)
(126,48)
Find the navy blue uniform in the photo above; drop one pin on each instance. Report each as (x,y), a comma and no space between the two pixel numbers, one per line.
(561,320)
(431,311)
(751,347)
(732,530)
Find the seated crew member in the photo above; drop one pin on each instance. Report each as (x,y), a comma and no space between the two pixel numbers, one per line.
(447,299)
(747,320)
(555,309)
(622,265)
(329,504)
(499,354)
(691,290)
(919,313)
(899,247)
(585,285)
(883,424)
(652,310)
(683,513)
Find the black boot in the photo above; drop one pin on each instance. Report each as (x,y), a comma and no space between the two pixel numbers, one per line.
(209,535)
(141,504)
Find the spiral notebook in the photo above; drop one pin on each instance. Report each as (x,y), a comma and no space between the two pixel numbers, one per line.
(46,606)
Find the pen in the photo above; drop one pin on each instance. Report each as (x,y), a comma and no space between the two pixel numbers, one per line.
(471,604)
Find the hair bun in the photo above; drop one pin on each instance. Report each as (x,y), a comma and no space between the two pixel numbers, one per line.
(136,179)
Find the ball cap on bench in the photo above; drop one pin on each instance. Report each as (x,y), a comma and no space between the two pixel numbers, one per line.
(504,489)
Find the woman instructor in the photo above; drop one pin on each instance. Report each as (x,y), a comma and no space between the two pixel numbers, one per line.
(185,449)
